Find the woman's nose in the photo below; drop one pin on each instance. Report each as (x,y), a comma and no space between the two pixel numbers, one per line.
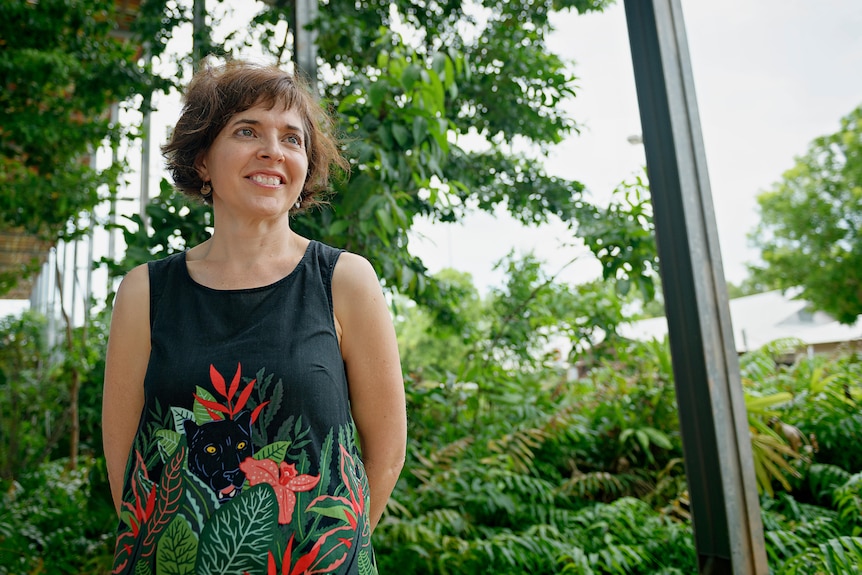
(270,149)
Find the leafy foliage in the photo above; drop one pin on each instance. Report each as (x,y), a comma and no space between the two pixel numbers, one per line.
(173,223)
(527,466)
(58,80)
(35,387)
(573,451)
(56,521)
(808,234)
(411,86)
(521,459)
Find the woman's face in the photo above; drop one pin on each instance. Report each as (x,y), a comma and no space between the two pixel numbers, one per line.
(257,163)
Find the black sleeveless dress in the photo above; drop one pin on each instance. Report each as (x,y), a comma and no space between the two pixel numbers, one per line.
(246,459)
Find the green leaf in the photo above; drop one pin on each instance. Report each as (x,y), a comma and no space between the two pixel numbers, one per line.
(658,438)
(201,415)
(643,439)
(402,135)
(376,94)
(275,451)
(199,502)
(177,550)
(420,130)
(236,539)
(168,440)
(338,227)
(180,415)
(410,76)
(334,509)
(366,566)
(757,404)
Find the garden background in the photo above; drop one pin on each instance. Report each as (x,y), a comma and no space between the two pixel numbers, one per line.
(541,440)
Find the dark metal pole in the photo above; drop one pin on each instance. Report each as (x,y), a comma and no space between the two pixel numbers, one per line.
(200,33)
(716,441)
(305,40)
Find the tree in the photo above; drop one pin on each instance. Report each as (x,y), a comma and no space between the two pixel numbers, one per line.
(409,84)
(412,83)
(809,234)
(62,65)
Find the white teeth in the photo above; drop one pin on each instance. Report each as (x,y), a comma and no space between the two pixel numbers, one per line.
(266,180)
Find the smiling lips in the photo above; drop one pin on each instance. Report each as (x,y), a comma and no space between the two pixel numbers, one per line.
(266,180)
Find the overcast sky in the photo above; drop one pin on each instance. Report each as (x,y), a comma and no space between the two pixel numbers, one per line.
(770,76)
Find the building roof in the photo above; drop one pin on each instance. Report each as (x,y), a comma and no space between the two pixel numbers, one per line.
(19,251)
(762,318)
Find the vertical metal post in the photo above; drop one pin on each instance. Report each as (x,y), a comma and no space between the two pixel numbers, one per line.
(88,285)
(200,33)
(716,441)
(305,40)
(112,207)
(146,136)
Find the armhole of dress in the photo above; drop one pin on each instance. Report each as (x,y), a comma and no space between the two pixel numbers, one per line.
(331,260)
(155,290)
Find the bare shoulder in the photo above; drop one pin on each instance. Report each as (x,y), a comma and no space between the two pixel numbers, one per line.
(134,290)
(352,272)
(132,303)
(357,296)
(354,284)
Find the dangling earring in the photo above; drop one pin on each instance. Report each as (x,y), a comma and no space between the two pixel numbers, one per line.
(298,203)
(206,190)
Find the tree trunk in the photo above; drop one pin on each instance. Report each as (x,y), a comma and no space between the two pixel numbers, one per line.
(75,386)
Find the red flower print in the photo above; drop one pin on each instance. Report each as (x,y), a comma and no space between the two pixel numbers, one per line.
(325,557)
(145,502)
(230,408)
(135,515)
(284,480)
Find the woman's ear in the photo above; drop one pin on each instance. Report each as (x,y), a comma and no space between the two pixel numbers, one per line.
(201,167)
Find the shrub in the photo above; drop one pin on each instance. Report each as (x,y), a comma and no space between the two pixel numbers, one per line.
(57,521)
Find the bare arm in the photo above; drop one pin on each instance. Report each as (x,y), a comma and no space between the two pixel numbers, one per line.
(125,367)
(370,354)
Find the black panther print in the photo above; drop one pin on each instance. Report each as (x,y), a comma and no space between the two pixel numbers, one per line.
(216,449)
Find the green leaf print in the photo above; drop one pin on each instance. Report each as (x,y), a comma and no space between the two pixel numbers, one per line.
(143,568)
(366,565)
(168,440)
(274,451)
(325,464)
(180,415)
(178,548)
(169,496)
(201,415)
(275,400)
(200,501)
(238,536)
(332,508)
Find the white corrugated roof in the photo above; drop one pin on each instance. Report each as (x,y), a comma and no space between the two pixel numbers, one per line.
(761,318)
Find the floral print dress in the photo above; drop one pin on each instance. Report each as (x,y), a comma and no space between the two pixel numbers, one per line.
(246,459)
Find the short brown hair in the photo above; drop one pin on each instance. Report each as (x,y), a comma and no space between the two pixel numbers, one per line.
(217,93)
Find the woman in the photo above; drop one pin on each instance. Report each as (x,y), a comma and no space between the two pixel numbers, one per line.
(241,374)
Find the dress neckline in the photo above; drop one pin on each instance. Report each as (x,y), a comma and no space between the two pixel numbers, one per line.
(269,286)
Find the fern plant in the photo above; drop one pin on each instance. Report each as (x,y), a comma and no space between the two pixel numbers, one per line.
(807,538)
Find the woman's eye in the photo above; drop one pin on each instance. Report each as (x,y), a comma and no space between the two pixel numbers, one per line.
(246,132)
(293,139)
